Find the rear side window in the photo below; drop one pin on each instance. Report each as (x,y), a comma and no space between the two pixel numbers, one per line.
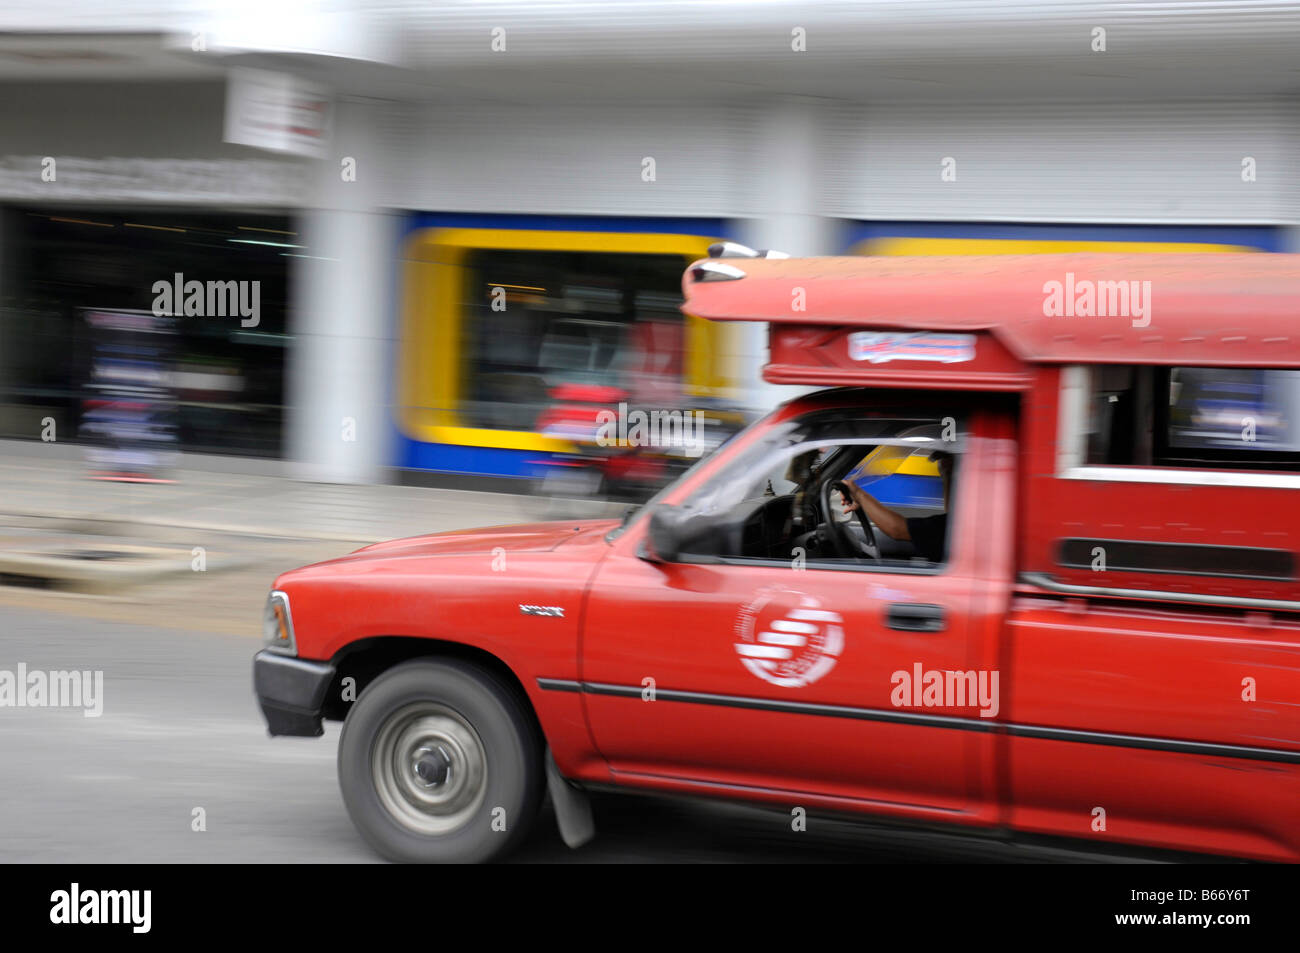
(1230,418)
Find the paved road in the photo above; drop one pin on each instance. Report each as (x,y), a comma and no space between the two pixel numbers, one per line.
(180,731)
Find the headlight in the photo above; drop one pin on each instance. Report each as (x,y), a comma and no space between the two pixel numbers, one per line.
(277,625)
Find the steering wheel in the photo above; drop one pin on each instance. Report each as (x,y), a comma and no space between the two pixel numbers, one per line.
(845,542)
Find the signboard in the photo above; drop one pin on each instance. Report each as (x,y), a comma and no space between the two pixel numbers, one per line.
(278,112)
(129,407)
(881,346)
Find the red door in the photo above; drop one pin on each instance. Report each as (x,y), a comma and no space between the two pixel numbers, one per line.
(772,679)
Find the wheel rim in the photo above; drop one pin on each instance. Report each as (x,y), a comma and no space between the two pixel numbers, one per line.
(429,768)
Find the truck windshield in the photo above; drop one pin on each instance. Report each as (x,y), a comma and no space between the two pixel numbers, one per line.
(637,513)
(886,443)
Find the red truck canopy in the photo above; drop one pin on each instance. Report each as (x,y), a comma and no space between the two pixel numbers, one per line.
(1193,310)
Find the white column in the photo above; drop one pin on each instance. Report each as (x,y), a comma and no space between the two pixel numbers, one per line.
(783,202)
(338,428)
(8,311)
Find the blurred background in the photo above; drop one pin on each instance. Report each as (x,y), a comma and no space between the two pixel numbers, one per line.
(466,224)
(379,170)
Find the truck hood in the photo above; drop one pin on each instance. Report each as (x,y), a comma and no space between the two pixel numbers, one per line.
(525,537)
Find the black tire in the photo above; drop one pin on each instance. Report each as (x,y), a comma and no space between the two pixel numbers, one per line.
(437,692)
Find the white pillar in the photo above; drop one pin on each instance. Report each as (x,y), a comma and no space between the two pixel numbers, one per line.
(338,428)
(783,205)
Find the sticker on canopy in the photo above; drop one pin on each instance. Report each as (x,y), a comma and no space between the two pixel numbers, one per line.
(787,638)
(881,346)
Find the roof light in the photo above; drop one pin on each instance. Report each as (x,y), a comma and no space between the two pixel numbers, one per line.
(715,271)
(737,250)
(731,250)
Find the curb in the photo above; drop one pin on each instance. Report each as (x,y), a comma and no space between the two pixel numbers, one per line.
(93,575)
(262,532)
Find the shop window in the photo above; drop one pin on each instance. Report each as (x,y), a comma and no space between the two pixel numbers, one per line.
(568,326)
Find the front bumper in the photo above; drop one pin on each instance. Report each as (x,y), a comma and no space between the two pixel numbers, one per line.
(291,692)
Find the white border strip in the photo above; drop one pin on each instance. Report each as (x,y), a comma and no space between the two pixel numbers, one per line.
(1277,481)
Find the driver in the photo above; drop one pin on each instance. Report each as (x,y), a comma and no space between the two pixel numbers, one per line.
(927,533)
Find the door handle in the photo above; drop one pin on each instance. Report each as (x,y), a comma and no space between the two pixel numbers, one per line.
(915,617)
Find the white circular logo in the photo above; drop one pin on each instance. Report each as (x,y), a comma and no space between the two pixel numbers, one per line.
(787,638)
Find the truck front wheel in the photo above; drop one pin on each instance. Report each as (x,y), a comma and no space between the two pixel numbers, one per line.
(440,763)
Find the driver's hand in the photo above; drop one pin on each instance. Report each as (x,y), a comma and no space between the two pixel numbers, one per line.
(850,499)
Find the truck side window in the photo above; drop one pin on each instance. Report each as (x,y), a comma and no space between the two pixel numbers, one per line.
(1232,418)
(805,495)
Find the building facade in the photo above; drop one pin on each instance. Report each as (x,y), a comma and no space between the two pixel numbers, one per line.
(498,196)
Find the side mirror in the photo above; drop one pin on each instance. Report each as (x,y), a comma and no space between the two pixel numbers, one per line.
(664,534)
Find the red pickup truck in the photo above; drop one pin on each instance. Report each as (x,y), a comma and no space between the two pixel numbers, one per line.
(1029,565)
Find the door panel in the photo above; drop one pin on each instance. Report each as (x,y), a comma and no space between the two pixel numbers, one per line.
(779,678)
(1157,678)
(686,628)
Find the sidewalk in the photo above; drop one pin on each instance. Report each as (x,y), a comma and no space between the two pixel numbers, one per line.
(60,530)
(35,491)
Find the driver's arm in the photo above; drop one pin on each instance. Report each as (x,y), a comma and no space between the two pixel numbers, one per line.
(886,520)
